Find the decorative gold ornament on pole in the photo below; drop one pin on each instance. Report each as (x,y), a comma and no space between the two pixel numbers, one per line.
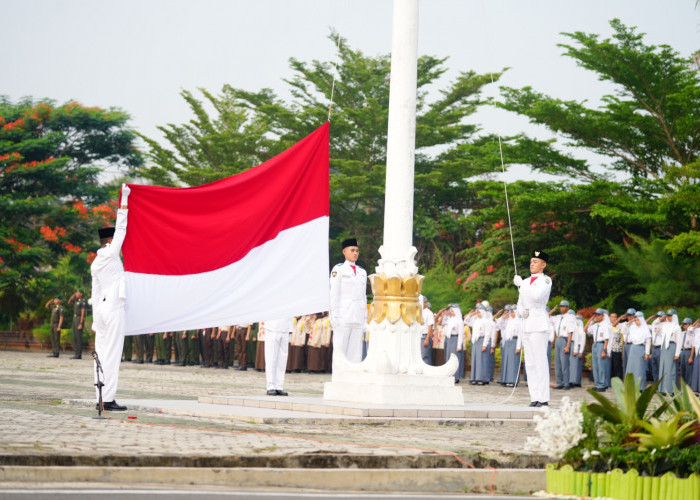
(396,298)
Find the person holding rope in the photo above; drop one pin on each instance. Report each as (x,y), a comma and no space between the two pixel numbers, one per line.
(532,306)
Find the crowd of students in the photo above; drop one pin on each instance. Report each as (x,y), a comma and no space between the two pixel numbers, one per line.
(657,348)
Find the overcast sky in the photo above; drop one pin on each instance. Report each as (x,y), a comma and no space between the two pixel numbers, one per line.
(138,54)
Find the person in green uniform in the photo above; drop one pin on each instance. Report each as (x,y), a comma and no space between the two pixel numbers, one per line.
(56,323)
(79,313)
(140,345)
(128,347)
(162,341)
(193,347)
(181,339)
(149,344)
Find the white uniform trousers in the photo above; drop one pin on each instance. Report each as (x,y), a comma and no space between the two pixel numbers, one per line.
(348,338)
(276,351)
(109,343)
(536,365)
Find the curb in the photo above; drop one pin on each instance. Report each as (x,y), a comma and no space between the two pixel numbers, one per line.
(326,461)
(503,481)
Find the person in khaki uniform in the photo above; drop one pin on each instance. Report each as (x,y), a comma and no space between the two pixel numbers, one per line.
(79,313)
(56,323)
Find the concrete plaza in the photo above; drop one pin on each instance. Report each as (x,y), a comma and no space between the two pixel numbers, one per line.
(184,420)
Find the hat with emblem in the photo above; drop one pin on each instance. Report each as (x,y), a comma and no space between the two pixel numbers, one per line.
(564,303)
(631,310)
(350,242)
(539,254)
(600,310)
(686,321)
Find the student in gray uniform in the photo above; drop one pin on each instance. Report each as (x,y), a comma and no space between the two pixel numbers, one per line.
(511,343)
(686,368)
(564,326)
(639,338)
(625,322)
(478,322)
(578,344)
(670,353)
(656,340)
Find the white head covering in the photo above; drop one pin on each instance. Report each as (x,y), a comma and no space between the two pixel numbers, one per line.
(642,330)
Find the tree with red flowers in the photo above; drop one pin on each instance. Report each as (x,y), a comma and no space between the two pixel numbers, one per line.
(51,198)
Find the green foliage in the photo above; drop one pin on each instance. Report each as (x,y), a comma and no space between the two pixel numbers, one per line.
(622,416)
(663,278)
(663,434)
(631,433)
(649,130)
(51,199)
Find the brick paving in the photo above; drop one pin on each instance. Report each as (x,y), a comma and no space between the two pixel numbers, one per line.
(46,410)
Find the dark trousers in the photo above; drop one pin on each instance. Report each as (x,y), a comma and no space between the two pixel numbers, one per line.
(241,352)
(128,347)
(193,347)
(207,347)
(149,344)
(77,337)
(55,339)
(182,345)
(616,369)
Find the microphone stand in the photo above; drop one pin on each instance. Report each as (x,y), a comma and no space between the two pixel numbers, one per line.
(98,384)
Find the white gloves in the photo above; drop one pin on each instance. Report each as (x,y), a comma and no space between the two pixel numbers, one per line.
(125,194)
(517,280)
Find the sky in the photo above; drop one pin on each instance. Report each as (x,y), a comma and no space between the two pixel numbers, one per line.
(138,55)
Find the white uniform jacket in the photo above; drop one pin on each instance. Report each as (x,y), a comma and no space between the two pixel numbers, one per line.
(348,295)
(284,325)
(108,285)
(532,303)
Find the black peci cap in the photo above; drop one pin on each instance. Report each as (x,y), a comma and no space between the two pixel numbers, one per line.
(106,232)
(540,255)
(350,242)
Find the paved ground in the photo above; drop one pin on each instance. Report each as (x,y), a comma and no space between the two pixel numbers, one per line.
(46,410)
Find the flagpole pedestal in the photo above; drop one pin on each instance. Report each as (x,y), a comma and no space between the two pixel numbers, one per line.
(393,371)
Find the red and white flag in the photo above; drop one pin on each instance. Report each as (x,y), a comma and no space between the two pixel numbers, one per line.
(242,249)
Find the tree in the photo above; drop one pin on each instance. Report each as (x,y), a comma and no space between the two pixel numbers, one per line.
(250,127)
(649,129)
(51,199)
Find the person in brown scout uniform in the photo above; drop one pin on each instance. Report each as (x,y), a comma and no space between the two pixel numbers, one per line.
(79,313)
(241,338)
(56,323)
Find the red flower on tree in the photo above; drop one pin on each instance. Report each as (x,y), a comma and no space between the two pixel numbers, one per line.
(90,257)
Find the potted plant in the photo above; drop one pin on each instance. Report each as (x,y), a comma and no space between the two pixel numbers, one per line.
(640,445)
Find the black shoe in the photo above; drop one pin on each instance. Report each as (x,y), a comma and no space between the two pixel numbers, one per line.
(52,355)
(559,387)
(113,406)
(540,403)
(600,389)
(281,393)
(272,392)
(139,362)
(242,368)
(567,387)
(533,404)
(481,382)
(472,382)
(76,357)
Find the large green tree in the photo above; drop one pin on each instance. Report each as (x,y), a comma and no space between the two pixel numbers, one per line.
(249,127)
(649,129)
(51,197)
(605,234)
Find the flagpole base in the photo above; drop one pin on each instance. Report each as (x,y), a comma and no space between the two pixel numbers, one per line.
(393,389)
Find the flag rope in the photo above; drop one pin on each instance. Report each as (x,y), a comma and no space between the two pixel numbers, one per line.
(505,190)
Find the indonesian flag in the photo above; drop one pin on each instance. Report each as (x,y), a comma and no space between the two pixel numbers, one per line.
(239,250)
